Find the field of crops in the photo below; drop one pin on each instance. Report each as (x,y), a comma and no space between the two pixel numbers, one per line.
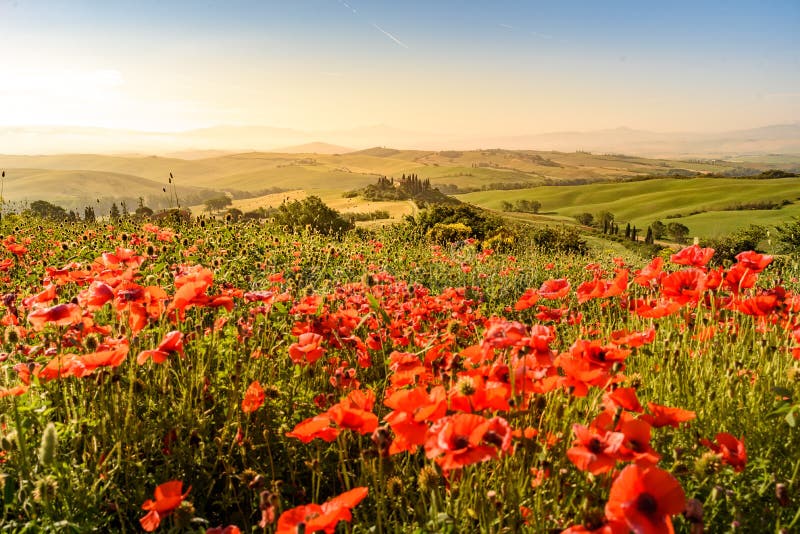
(223,378)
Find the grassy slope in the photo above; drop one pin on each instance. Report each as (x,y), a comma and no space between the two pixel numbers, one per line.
(79,177)
(643,202)
(66,186)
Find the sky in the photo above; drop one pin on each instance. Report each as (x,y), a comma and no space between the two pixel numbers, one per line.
(439,66)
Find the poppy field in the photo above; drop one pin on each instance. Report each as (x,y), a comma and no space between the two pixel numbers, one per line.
(231,377)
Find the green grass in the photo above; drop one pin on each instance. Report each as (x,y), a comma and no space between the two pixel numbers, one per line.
(643,202)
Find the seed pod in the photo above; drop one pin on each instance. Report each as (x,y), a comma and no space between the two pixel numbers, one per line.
(47,449)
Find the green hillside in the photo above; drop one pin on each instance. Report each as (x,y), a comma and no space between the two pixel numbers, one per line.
(74,180)
(702,204)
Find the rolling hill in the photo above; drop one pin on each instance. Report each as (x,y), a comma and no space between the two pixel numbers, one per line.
(566,182)
(705,205)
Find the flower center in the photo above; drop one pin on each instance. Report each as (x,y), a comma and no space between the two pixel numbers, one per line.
(460,442)
(646,504)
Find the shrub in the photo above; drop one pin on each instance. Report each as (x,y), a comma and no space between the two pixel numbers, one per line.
(726,248)
(561,239)
(313,213)
(678,231)
(788,236)
(481,223)
(585,218)
(443,233)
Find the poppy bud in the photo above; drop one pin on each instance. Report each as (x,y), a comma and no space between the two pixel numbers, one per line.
(47,449)
(694,511)
(382,439)
(782,493)
(428,478)
(394,487)
(257,482)
(9,441)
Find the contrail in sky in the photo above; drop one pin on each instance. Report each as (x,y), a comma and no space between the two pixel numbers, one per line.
(384,32)
(390,36)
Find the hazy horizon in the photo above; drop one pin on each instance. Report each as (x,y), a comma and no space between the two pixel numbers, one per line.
(463,70)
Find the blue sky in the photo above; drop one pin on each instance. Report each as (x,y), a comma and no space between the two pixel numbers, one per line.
(500,67)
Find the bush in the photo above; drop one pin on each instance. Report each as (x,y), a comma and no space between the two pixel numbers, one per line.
(443,233)
(560,239)
(726,248)
(311,213)
(788,236)
(585,218)
(368,215)
(480,223)
(678,231)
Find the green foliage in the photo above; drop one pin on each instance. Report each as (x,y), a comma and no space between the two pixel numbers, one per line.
(88,214)
(678,232)
(585,218)
(659,229)
(46,210)
(444,233)
(311,213)
(522,206)
(726,248)
(558,239)
(787,236)
(374,215)
(480,223)
(218,203)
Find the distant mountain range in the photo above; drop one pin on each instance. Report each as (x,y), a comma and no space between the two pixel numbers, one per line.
(773,139)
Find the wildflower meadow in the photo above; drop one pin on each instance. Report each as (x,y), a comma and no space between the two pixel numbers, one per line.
(221,377)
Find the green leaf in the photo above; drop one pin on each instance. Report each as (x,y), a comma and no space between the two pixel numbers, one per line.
(790,419)
(376,307)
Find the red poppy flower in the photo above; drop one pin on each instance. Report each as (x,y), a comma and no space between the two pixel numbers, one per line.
(307,350)
(633,339)
(59,315)
(314,517)
(527,300)
(654,309)
(694,256)
(740,277)
(644,499)
(453,445)
(172,342)
(554,289)
(168,497)
(684,286)
(624,398)
(753,260)
(95,296)
(413,410)
(105,357)
(354,412)
(758,306)
(594,450)
(650,273)
(191,285)
(253,397)
(16,391)
(636,447)
(665,416)
(318,426)
(730,450)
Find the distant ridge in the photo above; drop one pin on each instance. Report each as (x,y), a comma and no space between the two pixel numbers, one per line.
(191,144)
(316,147)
